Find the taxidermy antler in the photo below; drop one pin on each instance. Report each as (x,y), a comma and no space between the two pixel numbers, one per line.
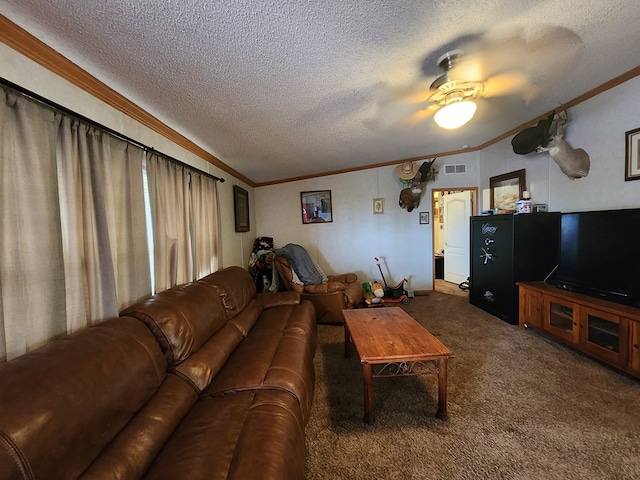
(574,162)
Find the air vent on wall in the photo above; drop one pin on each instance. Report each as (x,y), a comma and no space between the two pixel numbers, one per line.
(449,169)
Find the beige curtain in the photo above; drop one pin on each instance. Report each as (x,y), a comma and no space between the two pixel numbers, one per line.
(204,202)
(73,249)
(170,215)
(127,222)
(32,298)
(106,253)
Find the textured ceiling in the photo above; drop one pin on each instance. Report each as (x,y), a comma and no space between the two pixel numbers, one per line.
(288,88)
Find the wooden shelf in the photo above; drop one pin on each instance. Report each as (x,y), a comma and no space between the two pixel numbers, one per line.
(605,330)
(579,298)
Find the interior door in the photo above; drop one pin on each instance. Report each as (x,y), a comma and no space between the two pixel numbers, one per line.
(457,210)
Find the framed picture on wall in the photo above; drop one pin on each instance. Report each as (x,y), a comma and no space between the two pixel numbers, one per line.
(506,190)
(316,206)
(378,206)
(424,217)
(241,208)
(632,150)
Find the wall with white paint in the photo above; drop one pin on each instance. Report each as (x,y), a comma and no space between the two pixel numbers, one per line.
(356,235)
(597,125)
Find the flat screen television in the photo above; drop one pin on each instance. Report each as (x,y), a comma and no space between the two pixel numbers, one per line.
(599,255)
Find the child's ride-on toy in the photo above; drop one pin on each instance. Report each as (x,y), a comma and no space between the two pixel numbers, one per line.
(395,294)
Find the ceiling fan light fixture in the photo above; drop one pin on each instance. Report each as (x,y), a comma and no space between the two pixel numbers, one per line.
(455,114)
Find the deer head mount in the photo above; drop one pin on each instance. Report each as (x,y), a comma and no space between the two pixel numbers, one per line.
(411,193)
(548,136)
(574,162)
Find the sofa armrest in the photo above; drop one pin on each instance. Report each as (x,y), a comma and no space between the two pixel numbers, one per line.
(344,278)
(328,287)
(286,276)
(354,294)
(278,299)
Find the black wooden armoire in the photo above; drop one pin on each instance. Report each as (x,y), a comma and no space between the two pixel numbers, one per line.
(506,249)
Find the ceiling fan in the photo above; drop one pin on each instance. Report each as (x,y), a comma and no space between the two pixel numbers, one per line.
(482,67)
(452,96)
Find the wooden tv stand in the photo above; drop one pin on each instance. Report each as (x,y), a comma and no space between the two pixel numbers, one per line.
(605,330)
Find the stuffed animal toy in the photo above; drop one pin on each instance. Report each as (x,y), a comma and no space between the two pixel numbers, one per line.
(373,292)
(378,292)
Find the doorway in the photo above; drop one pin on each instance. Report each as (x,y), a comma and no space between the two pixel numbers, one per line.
(451,209)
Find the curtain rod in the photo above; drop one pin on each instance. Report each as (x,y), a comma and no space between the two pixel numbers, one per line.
(119,135)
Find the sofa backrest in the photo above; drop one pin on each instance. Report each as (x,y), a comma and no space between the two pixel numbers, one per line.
(199,324)
(235,287)
(92,382)
(182,318)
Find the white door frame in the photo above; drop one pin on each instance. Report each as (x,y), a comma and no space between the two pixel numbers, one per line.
(436,224)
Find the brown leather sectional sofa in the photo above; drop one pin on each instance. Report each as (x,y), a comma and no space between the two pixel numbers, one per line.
(207,380)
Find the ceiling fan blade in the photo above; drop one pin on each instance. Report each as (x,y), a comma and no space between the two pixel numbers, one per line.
(418,117)
(390,116)
(505,84)
(484,58)
(395,106)
(468,69)
(419,97)
(546,68)
(417,93)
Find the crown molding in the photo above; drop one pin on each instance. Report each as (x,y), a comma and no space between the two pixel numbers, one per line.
(26,44)
(29,46)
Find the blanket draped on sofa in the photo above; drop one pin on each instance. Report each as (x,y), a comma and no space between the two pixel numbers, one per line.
(305,267)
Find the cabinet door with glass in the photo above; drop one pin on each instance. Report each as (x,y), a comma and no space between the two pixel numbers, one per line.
(604,335)
(561,319)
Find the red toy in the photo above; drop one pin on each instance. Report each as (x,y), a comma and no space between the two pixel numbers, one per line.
(395,294)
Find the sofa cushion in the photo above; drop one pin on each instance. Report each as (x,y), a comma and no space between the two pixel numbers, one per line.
(282,338)
(131,453)
(202,366)
(182,318)
(245,320)
(90,383)
(269,300)
(255,435)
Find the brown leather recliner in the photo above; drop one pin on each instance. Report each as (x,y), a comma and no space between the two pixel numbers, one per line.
(329,298)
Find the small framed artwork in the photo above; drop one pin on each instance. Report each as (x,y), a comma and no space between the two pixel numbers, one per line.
(316,206)
(507,189)
(241,208)
(378,206)
(424,218)
(632,150)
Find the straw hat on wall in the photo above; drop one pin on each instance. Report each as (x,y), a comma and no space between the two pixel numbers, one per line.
(407,170)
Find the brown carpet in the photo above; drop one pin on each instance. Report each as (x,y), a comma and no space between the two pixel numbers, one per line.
(521,406)
(443,286)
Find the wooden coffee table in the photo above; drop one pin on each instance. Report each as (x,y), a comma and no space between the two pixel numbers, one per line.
(393,339)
